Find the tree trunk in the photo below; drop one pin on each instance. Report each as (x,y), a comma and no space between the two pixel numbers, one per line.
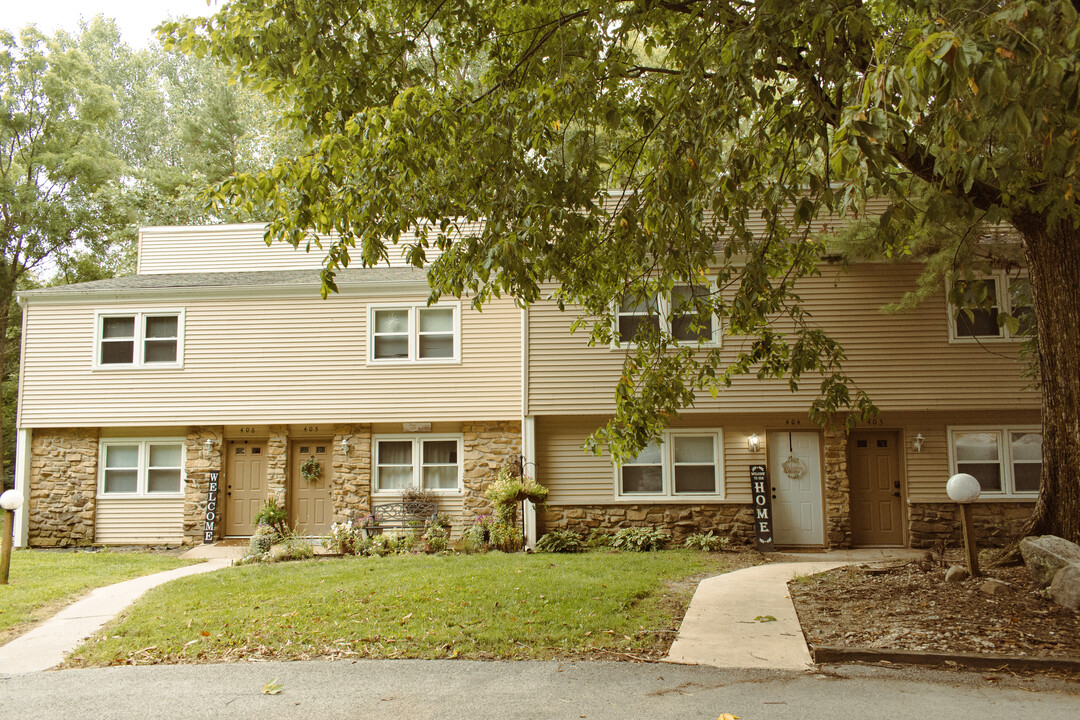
(6,292)
(1053,256)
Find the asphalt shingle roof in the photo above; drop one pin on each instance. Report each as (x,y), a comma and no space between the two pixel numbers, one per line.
(267,278)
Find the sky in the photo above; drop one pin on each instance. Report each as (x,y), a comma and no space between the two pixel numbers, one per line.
(136,18)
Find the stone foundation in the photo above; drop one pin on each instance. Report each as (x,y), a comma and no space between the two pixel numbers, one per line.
(837,489)
(351,489)
(487,447)
(63,487)
(731,521)
(197,465)
(995,523)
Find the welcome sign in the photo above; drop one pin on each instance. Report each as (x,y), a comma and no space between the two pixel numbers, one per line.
(763,528)
(211,508)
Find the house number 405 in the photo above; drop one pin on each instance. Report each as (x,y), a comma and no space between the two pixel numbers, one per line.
(311,428)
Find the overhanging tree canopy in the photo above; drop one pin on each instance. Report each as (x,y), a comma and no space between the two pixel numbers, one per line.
(705,114)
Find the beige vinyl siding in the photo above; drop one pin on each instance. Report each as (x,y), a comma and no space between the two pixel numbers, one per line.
(266,361)
(904,361)
(928,471)
(139,521)
(575,477)
(240,248)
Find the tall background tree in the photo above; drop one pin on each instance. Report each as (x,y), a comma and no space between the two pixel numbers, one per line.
(97,140)
(419,112)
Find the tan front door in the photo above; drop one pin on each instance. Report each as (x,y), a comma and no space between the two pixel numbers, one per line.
(875,489)
(311,510)
(245,485)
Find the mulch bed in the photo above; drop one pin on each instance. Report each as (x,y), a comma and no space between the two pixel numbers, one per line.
(910,607)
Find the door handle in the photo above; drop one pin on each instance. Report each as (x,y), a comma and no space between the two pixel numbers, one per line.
(896,484)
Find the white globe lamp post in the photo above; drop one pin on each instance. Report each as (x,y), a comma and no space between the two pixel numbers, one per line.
(10,501)
(964,489)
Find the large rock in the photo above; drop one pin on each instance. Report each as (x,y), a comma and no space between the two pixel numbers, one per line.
(1047,554)
(1065,589)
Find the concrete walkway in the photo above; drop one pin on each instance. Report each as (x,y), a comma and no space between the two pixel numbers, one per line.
(46,645)
(727,624)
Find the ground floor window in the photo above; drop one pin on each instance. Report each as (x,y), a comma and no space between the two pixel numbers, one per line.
(685,463)
(428,462)
(141,468)
(1005,460)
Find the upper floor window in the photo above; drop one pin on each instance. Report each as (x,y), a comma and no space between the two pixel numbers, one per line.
(142,467)
(998,294)
(686,463)
(414,333)
(1005,460)
(140,339)
(673,313)
(427,462)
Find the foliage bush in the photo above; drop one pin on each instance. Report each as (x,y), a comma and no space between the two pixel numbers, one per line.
(275,516)
(640,539)
(508,490)
(598,539)
(345,539)
(706,541)
(262,539)
(561,541)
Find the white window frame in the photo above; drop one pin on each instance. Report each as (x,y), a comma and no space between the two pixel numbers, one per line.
(417,462)
(139,353)
(414,310)
(1005,458)
(665,308)
(1003,301)
(142,475)
(667,464)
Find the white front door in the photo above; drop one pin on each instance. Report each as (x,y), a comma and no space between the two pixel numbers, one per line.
(795,478)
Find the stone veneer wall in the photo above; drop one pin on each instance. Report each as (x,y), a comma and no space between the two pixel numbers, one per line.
(487,447)
(197,466)
(837,489)
(63,487)
(277,468)
(995,523)
(733,521)
(351,489)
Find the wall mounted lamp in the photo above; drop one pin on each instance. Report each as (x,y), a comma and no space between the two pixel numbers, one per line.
(917,442)
(752,443)
(208,447)
(345,443)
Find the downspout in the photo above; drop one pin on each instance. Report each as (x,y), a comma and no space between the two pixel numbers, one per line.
(21,471)
(528,432)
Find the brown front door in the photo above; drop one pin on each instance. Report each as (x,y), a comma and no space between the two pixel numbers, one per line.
(245,485)
(875,489)
(311,510)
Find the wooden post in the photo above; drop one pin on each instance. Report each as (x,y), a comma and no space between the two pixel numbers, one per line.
(5,545)
(970,548)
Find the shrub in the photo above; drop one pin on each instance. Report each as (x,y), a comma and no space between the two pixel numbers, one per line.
(640,539)
(706,541)
(598,539)
(561,541)
(275,516)
(508,490)
(262,539)
(507,538)
(344,538)
(479,533)
(293,547)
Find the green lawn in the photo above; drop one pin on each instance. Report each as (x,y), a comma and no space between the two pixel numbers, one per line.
(471,606)
(43,581)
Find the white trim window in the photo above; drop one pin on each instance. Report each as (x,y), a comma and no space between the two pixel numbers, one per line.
(414,333)
(686,464)
(1007,461)
(429,462)
(138,468)
(139,339)
(672,313)
(1003,293)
